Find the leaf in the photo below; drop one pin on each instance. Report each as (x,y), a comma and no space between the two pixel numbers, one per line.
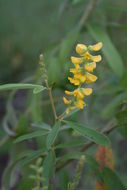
(33,155)
(48,167)
(111,53)
(75,155)
(90,133)
(122,123)
(113,104)
(20,86)
(72,143)
(52,135)
(111,180)
(31,135)
(41,125)
(38,89)
(68,43)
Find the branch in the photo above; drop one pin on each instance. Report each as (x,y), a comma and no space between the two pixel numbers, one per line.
(51,99)
(87,146)
(91,6)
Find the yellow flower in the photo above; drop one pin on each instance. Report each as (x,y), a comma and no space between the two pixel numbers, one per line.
(87,91)
(67,102)
(80,103)
(76,60)
(87,56)
(95,47)
(90,66)
(78,93)
(96,58)
(68,92)
(81,77)
(74,81)
(81,48)
(90,78)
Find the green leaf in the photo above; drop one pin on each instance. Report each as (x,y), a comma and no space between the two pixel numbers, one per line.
(31,135)
(122,123)
(52,135)
(72,143)
(90,133)
(75,155)
(21,86)
(32,156)
(67,44)
(111,180)
(48,166)
(111,53)
(41,125)
(113,104)
(38,89)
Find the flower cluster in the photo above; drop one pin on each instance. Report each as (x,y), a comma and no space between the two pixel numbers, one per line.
(83,67)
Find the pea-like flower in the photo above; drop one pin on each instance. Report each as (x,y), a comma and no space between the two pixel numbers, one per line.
(83,67)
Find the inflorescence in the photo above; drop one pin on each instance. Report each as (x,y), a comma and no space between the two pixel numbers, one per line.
(83,67)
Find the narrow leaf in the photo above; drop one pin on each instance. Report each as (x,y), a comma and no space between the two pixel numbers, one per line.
(48,166)
(52,135)
(38,89)
(31,135)
(20,86)
(111,180)
(90,133)
(72,143)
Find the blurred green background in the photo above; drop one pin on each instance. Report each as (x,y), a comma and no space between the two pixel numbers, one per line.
(53,27)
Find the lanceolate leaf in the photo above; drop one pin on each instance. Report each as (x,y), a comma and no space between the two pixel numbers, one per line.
(112,55)
(52,135)
(48,166)
(111,180)
(37,88)
(31,135)
(90,133)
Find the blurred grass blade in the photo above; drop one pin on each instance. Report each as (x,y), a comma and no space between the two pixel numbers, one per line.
(90,133)
(37,88)
(31,135)
(111,180)
(68,43)
(52,135)
(111,53)
(110,108)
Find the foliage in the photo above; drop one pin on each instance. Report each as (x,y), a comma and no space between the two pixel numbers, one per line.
(42,146)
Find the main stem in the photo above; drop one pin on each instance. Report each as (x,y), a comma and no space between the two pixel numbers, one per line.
(51,99)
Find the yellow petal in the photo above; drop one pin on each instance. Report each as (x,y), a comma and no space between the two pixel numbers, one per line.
(96,58)
(76,60)
(74,81)
(87,56)
(81,48)
(90,66)
(68,92)
(87,91)
(78,94)
(96,47)
(90,78)
(67,102)
(80,103)
(74,70)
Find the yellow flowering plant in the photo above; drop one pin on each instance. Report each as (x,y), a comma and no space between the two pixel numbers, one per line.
(83,67)
(52,154)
